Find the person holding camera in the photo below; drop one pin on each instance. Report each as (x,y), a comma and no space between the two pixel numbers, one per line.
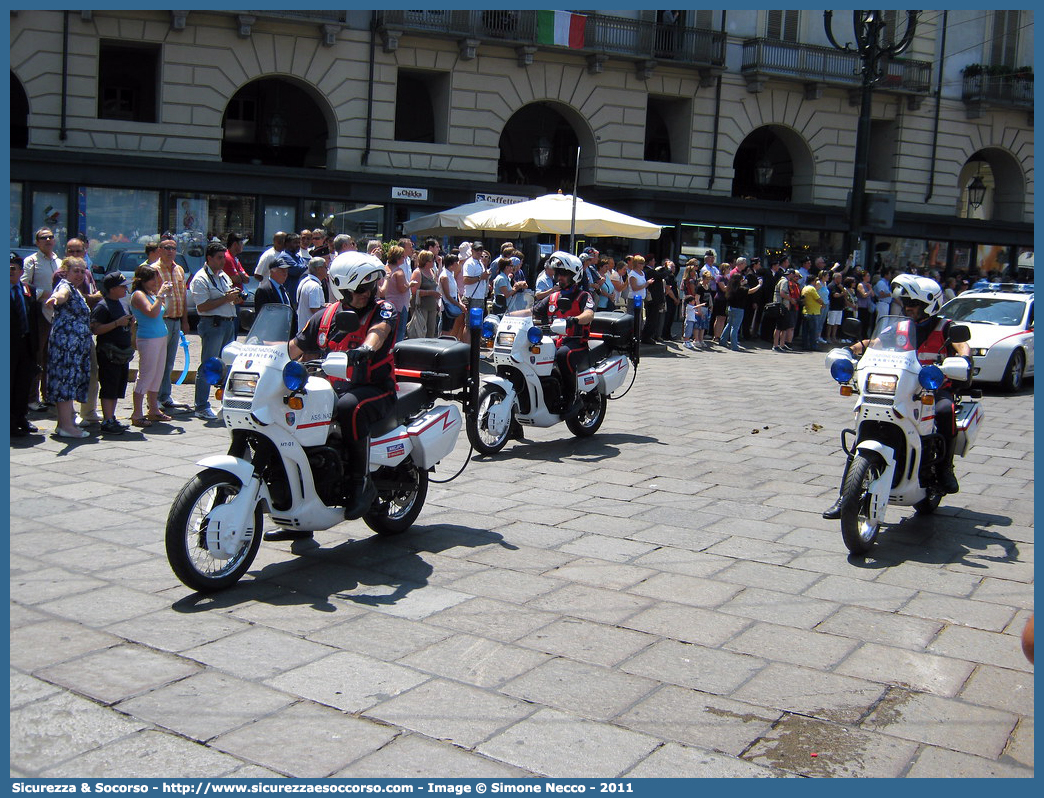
(216,299)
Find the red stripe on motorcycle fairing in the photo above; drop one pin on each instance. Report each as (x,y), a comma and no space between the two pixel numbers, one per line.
(314,424)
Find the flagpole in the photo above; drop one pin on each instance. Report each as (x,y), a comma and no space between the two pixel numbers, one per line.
(572,219)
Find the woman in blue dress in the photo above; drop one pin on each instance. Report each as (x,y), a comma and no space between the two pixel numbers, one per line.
(69,359)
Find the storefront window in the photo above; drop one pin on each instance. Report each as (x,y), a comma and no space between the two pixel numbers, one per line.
(117,215)
(50,209)
(16,214)
(1024,270)
(728,243)
(813,243)
(279,218)
(993,260)
(195,219)
(359,221)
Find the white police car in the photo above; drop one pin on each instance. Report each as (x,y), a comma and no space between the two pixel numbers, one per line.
(1000,316)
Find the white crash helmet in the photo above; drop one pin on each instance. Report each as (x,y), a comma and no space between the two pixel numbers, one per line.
(570,263)
(920,289)
(355,271)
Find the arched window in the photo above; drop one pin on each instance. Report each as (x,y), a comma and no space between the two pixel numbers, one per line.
(274,121)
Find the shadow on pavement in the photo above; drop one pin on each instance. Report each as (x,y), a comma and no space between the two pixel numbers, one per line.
(373,571)
(962,537)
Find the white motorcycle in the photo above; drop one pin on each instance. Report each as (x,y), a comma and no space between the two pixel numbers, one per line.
(527,388)
(897,451)
(285,458)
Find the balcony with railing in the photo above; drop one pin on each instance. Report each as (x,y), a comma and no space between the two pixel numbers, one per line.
(816,66)
(605,36)
(981,89)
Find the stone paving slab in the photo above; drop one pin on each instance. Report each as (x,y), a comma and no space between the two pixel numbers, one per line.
(661,599)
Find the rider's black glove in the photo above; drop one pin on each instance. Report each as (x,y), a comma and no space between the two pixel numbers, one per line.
(572,326)
(359,355)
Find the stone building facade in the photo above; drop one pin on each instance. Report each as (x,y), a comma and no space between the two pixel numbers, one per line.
(735,130)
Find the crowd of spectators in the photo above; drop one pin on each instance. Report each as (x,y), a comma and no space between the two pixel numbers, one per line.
(58,310)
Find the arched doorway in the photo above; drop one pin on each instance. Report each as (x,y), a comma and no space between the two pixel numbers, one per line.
(538,147)
(19,115)
(275,121)
(773,163)
(992,186)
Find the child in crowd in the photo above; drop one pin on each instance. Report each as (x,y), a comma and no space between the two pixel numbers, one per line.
(690,322)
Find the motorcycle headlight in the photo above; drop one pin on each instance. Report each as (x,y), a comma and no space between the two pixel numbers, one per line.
(489,329)
(506,339)
(534,335)
(243,383)
(881,383)
(294,375)
(931,377)
(212,371)
(842,370)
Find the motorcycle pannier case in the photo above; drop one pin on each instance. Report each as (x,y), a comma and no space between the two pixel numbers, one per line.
(421,359)
(615,329)
(969,417)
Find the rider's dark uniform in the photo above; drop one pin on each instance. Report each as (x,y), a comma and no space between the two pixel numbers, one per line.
(932,347)
(369,393)
(572,353)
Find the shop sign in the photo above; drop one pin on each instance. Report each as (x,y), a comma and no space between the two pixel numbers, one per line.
(399,192)
(500,199)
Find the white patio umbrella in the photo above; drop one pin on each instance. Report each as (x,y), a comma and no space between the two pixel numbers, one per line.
(553,213)
(444,222)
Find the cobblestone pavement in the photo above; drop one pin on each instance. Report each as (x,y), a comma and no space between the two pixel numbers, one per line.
(662,599)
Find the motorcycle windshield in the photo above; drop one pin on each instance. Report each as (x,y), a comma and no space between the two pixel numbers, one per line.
(272,325)
(894,334)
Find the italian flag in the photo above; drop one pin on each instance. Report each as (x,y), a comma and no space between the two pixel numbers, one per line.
(560,27)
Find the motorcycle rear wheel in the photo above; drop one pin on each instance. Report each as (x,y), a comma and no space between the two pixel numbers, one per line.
(186,533)
(591,415)
(482,438)
(858,530)
(399,503)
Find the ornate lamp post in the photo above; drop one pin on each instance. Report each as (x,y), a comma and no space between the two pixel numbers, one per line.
(867,27)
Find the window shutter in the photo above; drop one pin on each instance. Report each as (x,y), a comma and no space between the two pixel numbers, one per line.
(1005,38)
(782,25)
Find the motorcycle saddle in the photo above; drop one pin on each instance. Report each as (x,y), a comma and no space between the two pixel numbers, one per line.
(410,399)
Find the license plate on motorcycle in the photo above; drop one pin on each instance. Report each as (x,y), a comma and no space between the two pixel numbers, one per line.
(506,339)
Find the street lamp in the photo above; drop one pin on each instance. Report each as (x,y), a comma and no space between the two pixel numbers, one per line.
(763,171)
(542,152)
(867,27)
(976,192)
(276,130)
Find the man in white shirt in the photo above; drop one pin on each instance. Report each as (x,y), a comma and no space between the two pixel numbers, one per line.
(310,296)
(216,299)
(476,278)
(264,263)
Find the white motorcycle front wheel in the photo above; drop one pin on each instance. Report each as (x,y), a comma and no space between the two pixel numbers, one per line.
(858,528)
(186,533)
(485,439)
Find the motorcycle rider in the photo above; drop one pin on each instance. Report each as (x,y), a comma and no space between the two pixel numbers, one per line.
(921,299)
(369,393)
(577,307)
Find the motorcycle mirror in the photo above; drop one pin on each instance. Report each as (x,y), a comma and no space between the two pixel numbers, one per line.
(852,328)
(346,321)
(959,333)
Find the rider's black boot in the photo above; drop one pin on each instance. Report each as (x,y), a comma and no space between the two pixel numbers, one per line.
(361,490)
(574,407)
(947,480)
(834,510)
